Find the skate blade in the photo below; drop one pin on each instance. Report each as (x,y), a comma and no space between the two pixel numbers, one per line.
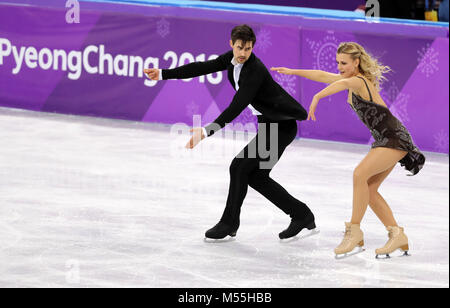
(391,255)
(349,254)
(300,236)
(223,240)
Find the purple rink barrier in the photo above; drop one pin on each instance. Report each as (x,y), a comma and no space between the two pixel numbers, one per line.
(320,4)
(95,67)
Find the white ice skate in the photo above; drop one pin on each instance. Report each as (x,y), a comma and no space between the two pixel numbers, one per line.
(353,238)
(397,241)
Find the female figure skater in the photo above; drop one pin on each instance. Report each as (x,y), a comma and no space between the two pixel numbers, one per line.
(361,75)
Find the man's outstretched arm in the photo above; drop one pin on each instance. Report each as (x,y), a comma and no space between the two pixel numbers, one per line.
(243,97)
(192,69)
(246,94)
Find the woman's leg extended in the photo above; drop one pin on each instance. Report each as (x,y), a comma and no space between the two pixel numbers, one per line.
(376,161)
(377,203)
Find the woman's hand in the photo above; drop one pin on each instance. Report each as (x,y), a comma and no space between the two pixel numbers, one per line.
(312,108)
(283,70)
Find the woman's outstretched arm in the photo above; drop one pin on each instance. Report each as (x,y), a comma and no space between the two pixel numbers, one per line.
(314,75)
(336,87)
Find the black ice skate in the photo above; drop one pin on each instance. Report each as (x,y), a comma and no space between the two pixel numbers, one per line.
(220,231)
(298,225)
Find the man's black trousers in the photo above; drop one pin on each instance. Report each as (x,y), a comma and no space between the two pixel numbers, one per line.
(252,167)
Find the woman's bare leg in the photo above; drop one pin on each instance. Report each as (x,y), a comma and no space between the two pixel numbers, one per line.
(377,161)
(377,203)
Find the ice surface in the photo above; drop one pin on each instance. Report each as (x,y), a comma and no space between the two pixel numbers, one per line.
(88,202)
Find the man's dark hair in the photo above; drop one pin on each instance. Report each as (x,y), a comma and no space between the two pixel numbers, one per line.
(244,33)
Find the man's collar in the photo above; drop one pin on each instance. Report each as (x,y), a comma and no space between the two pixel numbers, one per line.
(234,62)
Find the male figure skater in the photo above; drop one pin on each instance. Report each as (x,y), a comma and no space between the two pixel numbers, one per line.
(277,113)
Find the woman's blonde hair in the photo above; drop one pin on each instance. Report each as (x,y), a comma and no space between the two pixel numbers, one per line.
(368,65)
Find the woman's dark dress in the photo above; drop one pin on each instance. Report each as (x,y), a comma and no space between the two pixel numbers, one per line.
(388,131)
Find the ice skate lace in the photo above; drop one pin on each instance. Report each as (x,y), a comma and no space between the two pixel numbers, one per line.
(347,235)
(391,238)
(391,234)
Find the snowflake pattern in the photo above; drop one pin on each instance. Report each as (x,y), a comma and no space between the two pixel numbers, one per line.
(428,60)
(400,107)
(441,141)
(163,27)
(390,95)
(264,41)
(287,82)
(324,52)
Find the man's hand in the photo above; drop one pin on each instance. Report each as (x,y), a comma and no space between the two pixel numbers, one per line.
(152,73)
(196,138)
